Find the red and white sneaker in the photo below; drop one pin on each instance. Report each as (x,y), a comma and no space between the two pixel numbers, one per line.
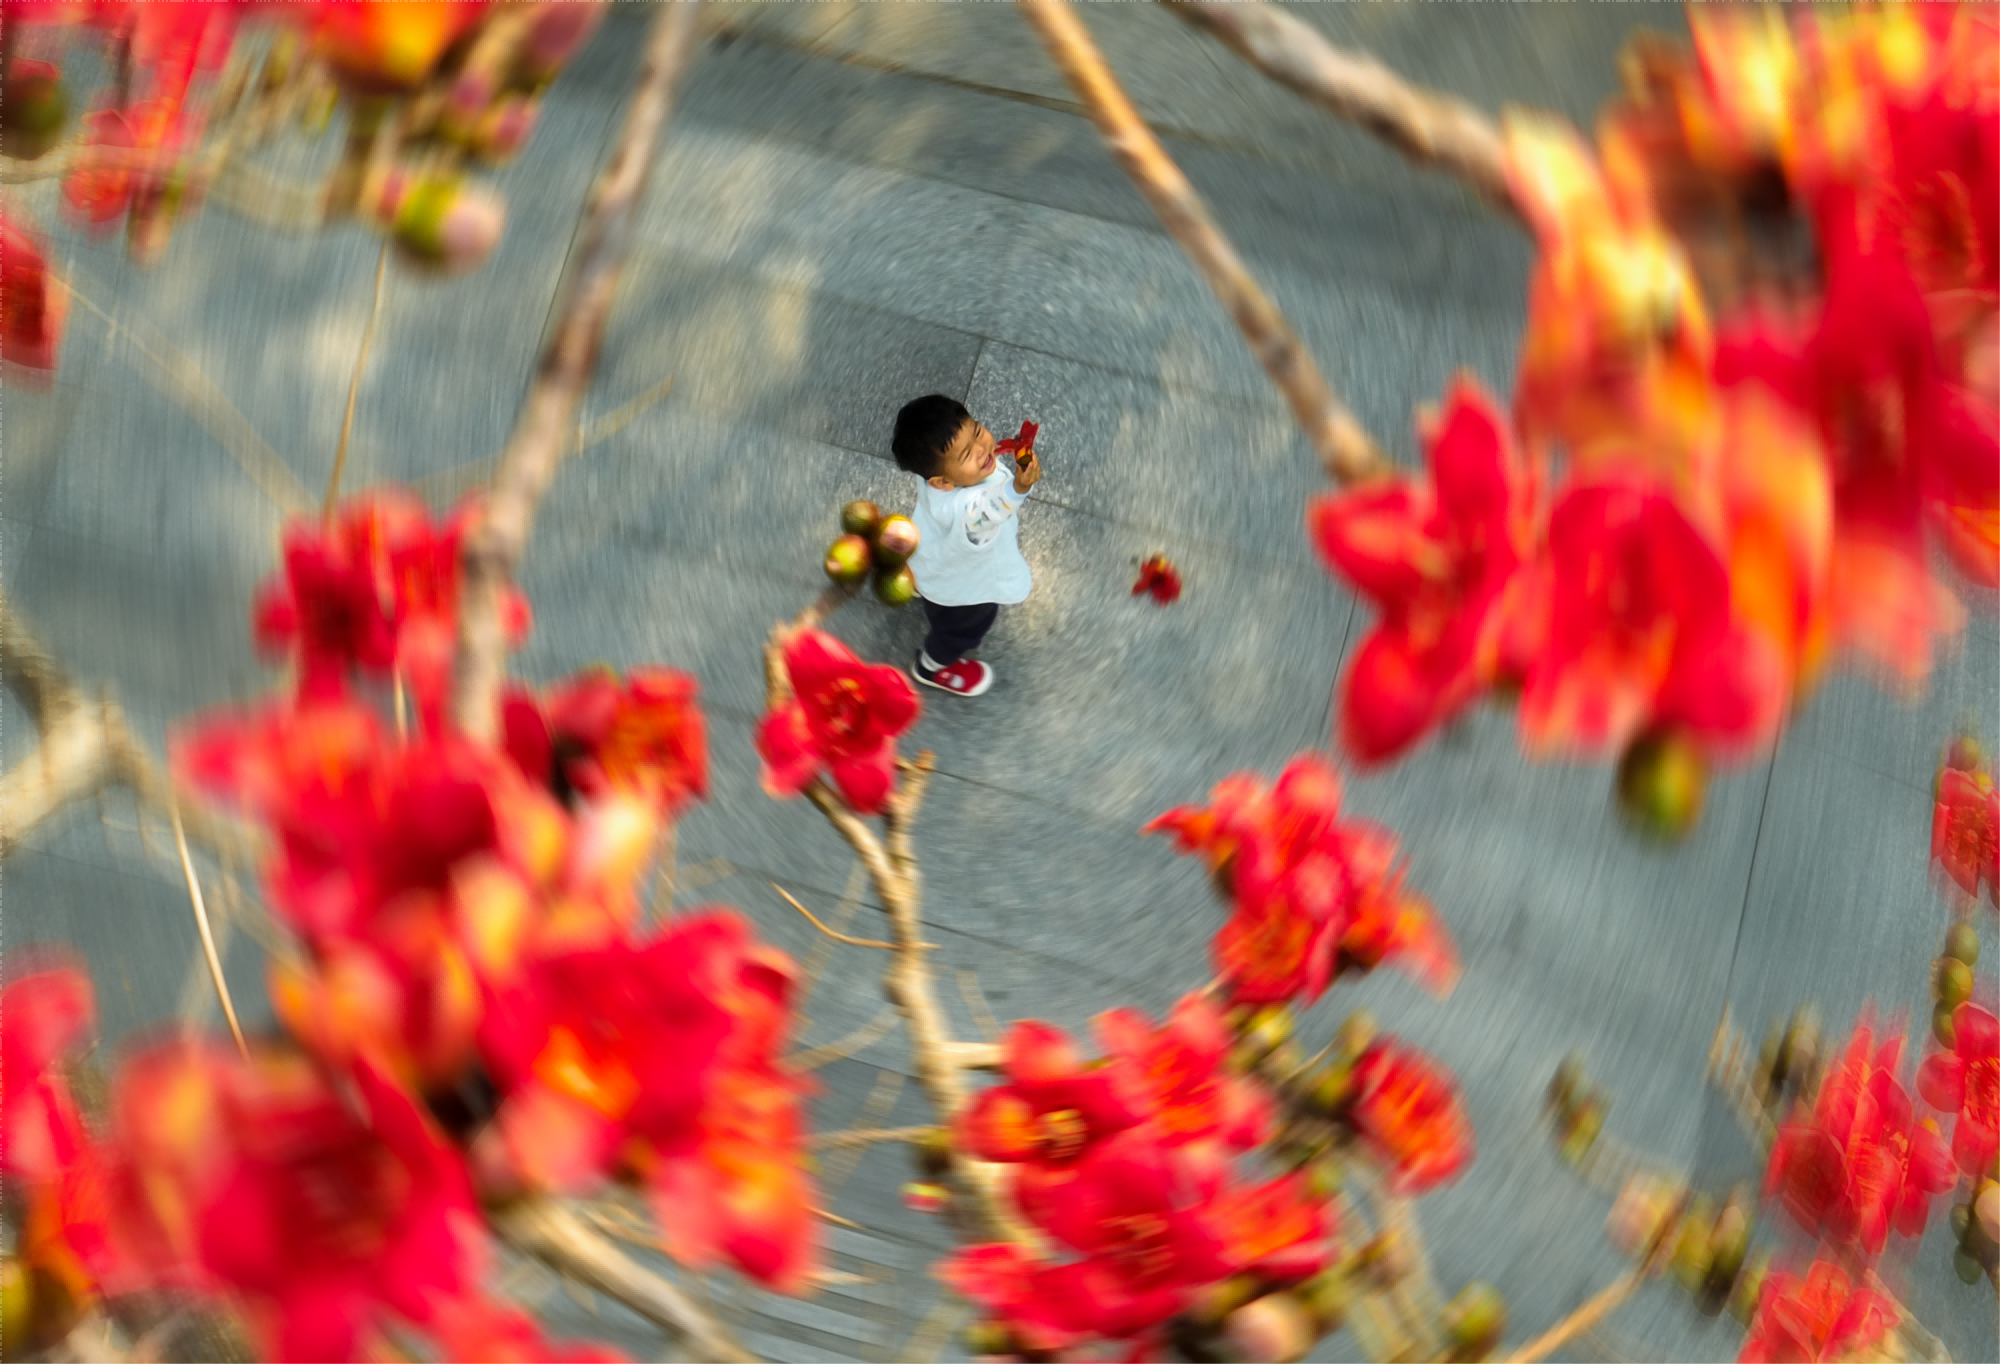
(967,677)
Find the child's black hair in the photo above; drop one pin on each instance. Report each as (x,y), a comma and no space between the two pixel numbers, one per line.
(925,429)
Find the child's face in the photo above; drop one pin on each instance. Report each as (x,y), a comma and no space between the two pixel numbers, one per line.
(967,460)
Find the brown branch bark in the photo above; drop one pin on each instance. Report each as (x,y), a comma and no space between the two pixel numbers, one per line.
(1431,129)
(545,430)
(561,1240)
(1346,451)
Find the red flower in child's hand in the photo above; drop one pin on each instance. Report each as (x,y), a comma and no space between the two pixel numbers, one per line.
(1022,440)
(1160,578)
(844,716)
(1966,1081)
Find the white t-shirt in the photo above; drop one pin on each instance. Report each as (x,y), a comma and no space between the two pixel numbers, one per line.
(969,543)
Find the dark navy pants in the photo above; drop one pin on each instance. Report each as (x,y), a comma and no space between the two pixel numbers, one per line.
(956,630)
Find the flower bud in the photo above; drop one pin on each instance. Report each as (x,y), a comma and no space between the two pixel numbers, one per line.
(442,221)
(1961,943)
(1953,985)
(1354,1034)
(17,1300)
(1642,1208)
(846,560)
(1963,755)
(35,108)
(934,1153)
(1579,1133)
(1692,1256)
(1662,779)
(1749,1288)
(895,587)
(1327,1296)
(1275,1327)
(1943,1027)
(1214,1304)
(464,104)
(1986,1209)
(1968,1266)
(1475,1320)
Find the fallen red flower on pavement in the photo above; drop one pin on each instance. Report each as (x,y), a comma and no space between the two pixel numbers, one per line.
(1159,578)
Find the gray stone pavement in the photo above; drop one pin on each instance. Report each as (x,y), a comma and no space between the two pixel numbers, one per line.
(857,204)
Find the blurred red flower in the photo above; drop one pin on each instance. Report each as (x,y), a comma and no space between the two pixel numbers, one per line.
(1190,1094)
(643,735)
(1966,1081)
(1437,559)
(844,716)
(101,194)
(1965,830)
(1859,1162)
(1640,631)
(1053,1108)
(1824,1316)
(1160,579)
(330,1216)
(1406,1108)
(33,307)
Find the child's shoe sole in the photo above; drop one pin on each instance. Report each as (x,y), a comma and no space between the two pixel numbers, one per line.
(979,688)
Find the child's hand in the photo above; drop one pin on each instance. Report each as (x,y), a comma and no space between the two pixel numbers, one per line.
(1027,470)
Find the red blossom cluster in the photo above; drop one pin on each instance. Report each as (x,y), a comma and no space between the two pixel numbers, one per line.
(1126,1164)
(1312,894)
(33,305)
(1683,518)
(1823,1316)
(1965,823)
(482,65)
(1859,1160)
(475,1010)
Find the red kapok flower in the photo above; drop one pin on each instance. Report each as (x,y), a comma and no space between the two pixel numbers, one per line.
(1966,1081)
(1189,1092)
(1159,578)
(644,735)
(1825,1316)
(1640,631)
(1046,1307)
(1965,830)
(375,589)
(844,716)
(1390,925)
(1145,1229)
(1860,1163)
(100,195)
(32,306)
(42,1016)
(329,1218)
(390,45)
(1406,1108)
(1437,559)
(1053,1108)
(1277,1228)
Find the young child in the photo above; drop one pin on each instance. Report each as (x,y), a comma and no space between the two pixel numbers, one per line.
(968,562)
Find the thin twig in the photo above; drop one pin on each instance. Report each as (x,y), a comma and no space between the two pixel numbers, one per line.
(813,919)
(869,1136)
(564,1242)
(1611,1297)
(543,433)
(867,1035)
(207,935)
(354,388)
(1346,451)
(202,400)
(1431,129)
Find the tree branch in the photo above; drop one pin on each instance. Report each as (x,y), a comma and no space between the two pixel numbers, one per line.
(892,866)
(1431,129)
(561,1240)
(1346,451)
(544,432)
